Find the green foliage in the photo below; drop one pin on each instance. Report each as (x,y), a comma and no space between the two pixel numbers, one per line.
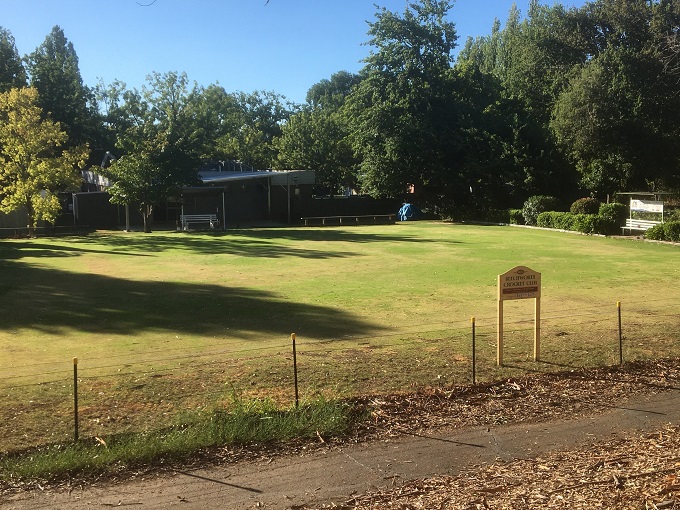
(610,118)
(556,219)
(614,212)
(316,139)
(497,216)
(54,72)
(584,223)
(331,93)
(12,72)
(33,167)
(155,131)
(671,231)
(656,233)
(607,226)
(398,114)
(515,216)
(545,220)
(585,206)
(537,204)
(672,215)
(258,120)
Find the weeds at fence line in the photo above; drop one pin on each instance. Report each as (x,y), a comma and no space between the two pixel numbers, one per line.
(246,422)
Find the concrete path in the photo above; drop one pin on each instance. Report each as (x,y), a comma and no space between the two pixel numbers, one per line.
(336,474)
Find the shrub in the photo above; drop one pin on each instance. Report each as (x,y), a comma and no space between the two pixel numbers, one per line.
(657,233)
(584,223)
(516,217)
(673,215)
(536,205)
(564,221)
(545,220)
(556,219)
(615,212)
(604,226)
(497,216)
(585,206)
(671,231)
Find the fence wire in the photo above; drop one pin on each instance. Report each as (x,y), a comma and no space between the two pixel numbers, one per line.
(154,388)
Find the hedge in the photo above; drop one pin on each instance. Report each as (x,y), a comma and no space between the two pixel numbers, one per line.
(584,223)
(536,205)
(585,206)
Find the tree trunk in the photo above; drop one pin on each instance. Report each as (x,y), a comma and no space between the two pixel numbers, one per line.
(147,215)
(30,214)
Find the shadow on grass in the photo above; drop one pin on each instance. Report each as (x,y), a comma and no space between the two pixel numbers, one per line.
(255,242)
(53,301)
(30,248)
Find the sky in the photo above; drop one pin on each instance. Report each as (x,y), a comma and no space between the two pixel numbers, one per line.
(284,46)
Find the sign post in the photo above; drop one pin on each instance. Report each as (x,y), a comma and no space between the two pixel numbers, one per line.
(519,283)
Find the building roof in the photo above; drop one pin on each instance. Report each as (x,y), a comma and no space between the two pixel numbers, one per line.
(281,177)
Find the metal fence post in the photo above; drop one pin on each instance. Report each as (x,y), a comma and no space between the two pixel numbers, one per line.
(295,372)
(75,399)
(474,353)
(618,307)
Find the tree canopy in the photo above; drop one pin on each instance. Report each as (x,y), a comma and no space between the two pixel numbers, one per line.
(555,101)
(158,152)
(12,72)
(54,73)
(33,167)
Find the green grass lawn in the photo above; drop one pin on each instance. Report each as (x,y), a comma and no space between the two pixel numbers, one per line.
(169,320)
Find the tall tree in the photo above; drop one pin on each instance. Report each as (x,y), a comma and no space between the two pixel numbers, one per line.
(616,119)
(33,166)
(332,93)
(12,72)
(258,123)
(316,138)
(158,150)
(54,73)
(400,114)
(216,114)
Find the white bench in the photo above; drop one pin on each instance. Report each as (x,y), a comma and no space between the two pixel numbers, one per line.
(351,220)
(641,225)
(189,219)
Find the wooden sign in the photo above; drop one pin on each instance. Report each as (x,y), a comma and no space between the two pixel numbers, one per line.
(519,283)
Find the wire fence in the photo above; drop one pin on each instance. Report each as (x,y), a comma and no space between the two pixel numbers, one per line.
(157,388)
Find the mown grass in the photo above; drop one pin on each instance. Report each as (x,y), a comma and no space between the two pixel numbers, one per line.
(168,323)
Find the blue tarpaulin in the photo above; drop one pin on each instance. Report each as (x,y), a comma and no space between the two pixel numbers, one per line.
(409,212)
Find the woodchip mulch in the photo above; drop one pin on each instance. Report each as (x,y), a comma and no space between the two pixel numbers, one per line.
(633,473)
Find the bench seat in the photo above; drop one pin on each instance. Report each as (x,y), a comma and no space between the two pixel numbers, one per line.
(640,225)
(190,219)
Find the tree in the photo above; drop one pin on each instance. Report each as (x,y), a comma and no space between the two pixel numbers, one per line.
(316,138)
(216,115)
(615,119)
(332,93)
(257,123)
(12,72)
(54,73)
(401,118)
(159,152)
(33,168)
